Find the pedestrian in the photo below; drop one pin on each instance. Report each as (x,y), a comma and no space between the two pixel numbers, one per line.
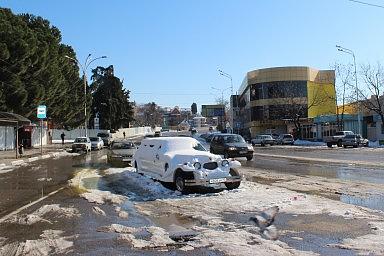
(62,138)
(124,134)
(21,149)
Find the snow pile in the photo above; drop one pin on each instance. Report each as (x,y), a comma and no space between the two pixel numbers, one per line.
(375,144)
(54,211)
(244,239)
(102,197)
(309,143)
(156,238)
(50,243)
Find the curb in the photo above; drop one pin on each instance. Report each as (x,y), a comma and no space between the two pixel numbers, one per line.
(31,159)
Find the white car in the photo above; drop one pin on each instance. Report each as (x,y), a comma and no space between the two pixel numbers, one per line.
(81,144)
(96,143)
(184,162)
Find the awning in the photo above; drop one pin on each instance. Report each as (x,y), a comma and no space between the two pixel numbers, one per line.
(12,119)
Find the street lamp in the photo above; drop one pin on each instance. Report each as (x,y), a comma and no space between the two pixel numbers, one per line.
(237,105)
(222,92)
(348,51)
(222,99)
(84,67)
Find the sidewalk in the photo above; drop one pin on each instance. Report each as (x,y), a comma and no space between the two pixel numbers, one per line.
(8,158)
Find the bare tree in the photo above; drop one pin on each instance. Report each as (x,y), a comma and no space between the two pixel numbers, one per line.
(292,104)
(372,95)
(149,114)
(343,88)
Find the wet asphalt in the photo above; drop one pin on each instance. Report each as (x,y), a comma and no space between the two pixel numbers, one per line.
(28,183)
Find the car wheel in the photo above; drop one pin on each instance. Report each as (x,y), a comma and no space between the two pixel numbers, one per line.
(249,158)
(232,185)
(180,183)
(339,143)
(345,146)
(329,144)
(262,144)
(355,146)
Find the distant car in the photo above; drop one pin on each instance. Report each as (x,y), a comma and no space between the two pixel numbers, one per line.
(157,134)
(184,162)
(96,143)
(263,140)
(82,144)
(354,140)
(231,145)
(106,137)
(285,139)
(120,153)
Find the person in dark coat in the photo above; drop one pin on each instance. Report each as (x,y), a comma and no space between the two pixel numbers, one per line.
(62,138)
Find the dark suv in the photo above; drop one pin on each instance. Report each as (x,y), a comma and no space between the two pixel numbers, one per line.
(231,145)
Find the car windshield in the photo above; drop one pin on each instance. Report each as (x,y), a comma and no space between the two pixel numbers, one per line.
(102,135)
(199,147)
(94,139)
(123,145)
(287,136)
(266,136)
(233,139)
(80,140)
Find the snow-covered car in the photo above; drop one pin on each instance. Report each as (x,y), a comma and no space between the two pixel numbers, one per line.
(184,162)
(96,143)
(81,144)
(120,153)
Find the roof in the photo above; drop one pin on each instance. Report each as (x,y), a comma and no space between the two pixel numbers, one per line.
(12,119)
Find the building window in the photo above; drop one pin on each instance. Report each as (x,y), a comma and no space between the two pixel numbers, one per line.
(279,89)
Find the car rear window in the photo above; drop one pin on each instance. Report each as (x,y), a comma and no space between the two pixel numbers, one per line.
(94,139)
(80,140)
(287,136)
(121,145)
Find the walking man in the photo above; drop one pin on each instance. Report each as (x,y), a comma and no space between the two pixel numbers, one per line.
(62,138)
(124,134)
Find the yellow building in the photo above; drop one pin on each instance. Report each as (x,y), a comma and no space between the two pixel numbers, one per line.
(271,98)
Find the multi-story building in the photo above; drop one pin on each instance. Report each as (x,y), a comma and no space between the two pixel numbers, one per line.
(282,99)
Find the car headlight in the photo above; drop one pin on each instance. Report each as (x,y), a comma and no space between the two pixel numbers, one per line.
(225,163)
(231,148)
(250,147)
(197,165)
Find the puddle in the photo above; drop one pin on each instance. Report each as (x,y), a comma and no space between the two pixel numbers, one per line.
(311,232)
(375,202)
(168,220)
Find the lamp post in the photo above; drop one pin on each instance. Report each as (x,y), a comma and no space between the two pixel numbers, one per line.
(222,73)
(84,67)
(222,99)
(348,51)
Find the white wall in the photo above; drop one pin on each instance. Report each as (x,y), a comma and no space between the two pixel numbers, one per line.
(35,137)
(7,138)
(73,134)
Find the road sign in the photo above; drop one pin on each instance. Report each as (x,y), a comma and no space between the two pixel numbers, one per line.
(42,111)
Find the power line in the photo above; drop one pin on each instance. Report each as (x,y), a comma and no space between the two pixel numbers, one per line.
(365,3)
(170,94)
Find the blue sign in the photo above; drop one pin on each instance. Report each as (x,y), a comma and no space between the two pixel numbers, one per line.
(42,111)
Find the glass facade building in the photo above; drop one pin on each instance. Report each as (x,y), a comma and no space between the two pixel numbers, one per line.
(270,99)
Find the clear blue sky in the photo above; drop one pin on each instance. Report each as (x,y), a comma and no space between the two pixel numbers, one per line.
(168,51)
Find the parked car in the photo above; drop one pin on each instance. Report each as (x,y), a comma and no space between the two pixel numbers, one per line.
(285,139)
(354,140)
(82,144)
(120,153)
(263,140)
(96,143)
(231,145)
(184,162)
(106,137)
(337,138)
(157,134)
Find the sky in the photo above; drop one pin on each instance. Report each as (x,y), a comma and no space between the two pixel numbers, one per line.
(169,51)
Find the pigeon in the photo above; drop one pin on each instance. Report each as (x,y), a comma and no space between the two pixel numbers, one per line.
(264,221)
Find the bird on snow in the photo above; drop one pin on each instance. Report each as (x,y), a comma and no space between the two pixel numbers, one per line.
(264,221)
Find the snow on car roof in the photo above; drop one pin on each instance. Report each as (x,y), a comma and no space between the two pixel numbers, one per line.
(173,143)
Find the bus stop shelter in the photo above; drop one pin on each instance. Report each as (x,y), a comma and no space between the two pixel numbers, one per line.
(9,127)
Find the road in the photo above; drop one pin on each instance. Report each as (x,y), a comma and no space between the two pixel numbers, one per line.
(115,211)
